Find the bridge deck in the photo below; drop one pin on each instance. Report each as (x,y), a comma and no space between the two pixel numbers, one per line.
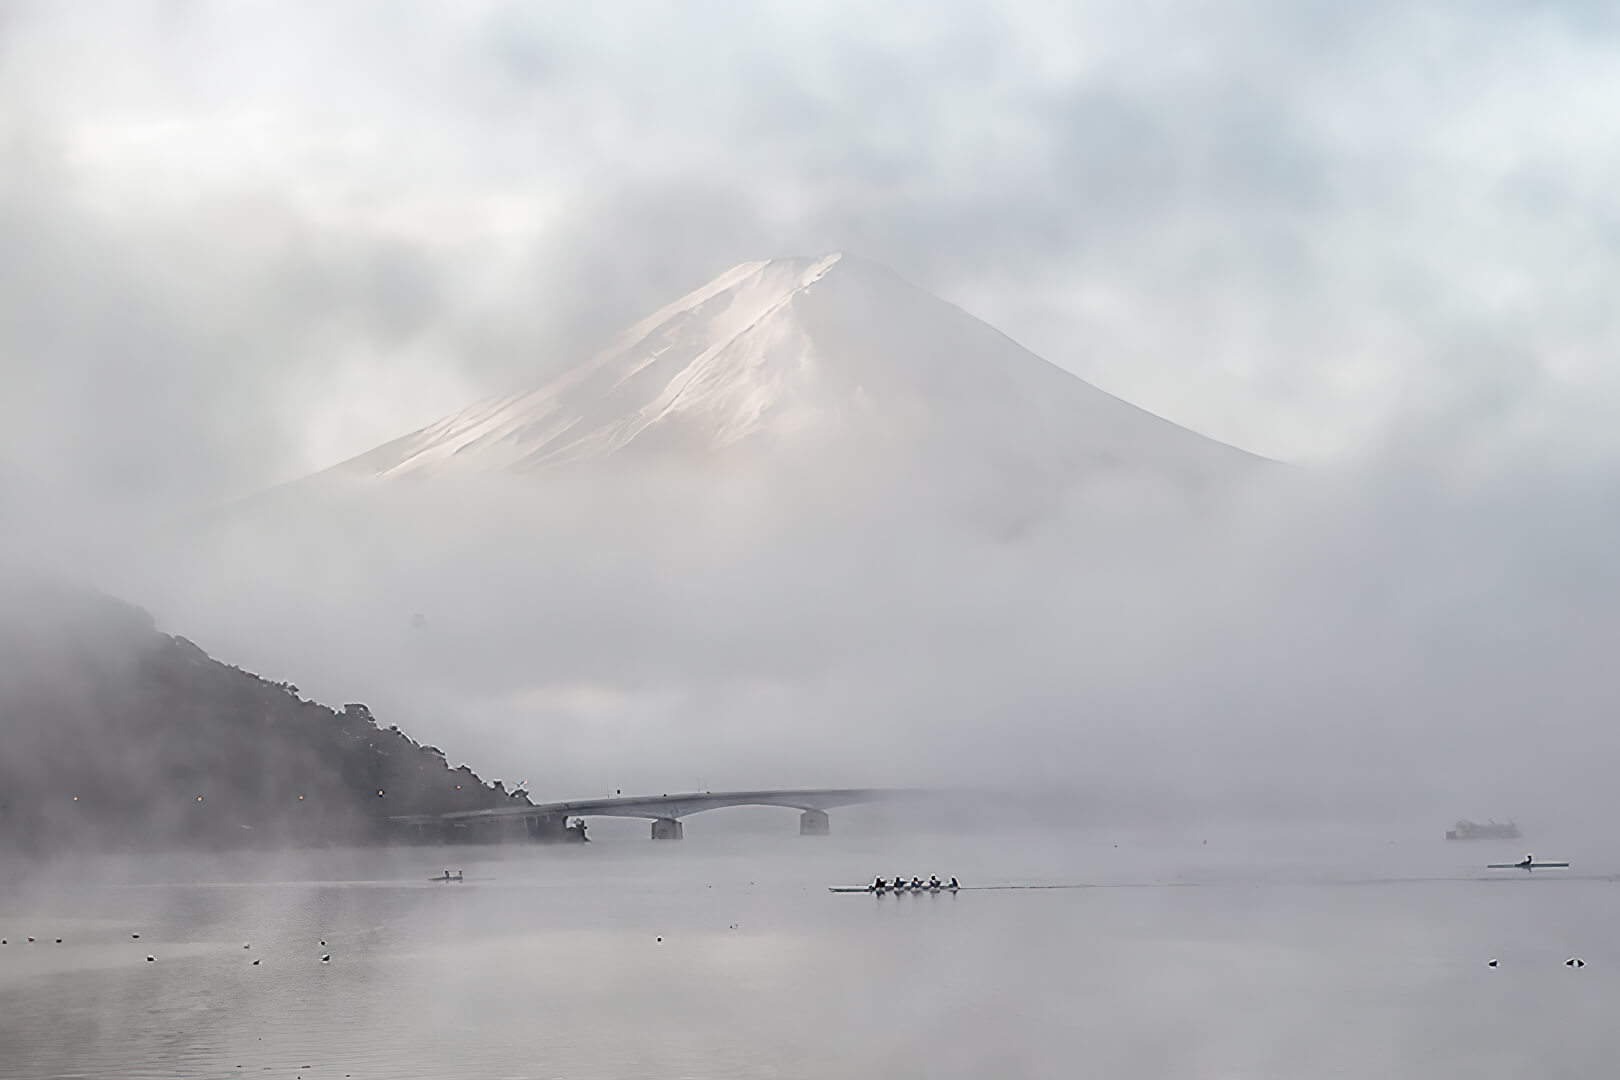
(659,807)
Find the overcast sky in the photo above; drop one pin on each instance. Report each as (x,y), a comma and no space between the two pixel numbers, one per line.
(239,242)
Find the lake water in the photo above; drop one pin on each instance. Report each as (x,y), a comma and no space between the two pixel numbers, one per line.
(1288,955)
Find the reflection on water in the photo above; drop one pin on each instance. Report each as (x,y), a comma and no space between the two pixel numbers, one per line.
(728,958)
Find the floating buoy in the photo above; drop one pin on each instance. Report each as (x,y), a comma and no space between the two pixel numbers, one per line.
(255,964)
(150,959)
(327,959)
(135,937)
(1491,964)
(1575,962)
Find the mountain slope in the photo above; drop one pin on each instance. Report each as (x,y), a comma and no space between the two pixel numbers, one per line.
(809,356)
(118,735)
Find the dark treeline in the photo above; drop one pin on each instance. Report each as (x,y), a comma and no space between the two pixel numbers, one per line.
(115,735)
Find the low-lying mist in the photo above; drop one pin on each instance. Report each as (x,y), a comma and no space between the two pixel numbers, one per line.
(1404,638)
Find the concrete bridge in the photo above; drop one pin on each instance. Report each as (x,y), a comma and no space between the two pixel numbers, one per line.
(549,821)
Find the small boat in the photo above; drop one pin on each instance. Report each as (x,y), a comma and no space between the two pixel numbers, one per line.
(1527,863)
(1490,830)
(901,889)
(447,877)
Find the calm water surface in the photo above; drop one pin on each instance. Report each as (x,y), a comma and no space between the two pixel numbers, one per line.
(1284,956)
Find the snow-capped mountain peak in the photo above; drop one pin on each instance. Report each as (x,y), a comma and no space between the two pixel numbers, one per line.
(807,353)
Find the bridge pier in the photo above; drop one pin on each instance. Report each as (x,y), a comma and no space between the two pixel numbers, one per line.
(547,827)
(814,823)
(666,829)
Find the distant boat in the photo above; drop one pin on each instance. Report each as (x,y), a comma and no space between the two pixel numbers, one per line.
(1491,830)
(1528,863)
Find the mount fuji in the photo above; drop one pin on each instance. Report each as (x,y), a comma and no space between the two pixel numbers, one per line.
(817,359)
(797,510)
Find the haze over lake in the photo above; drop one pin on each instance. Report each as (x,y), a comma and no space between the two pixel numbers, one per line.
(1279,954)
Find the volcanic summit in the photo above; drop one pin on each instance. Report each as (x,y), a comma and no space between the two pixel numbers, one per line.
(830,355)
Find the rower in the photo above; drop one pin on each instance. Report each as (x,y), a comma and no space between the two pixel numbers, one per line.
(954,885)
(933,881)
(878,886)
(916,883)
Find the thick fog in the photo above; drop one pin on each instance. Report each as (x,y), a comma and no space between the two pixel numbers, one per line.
(1403,641)
(238,245)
